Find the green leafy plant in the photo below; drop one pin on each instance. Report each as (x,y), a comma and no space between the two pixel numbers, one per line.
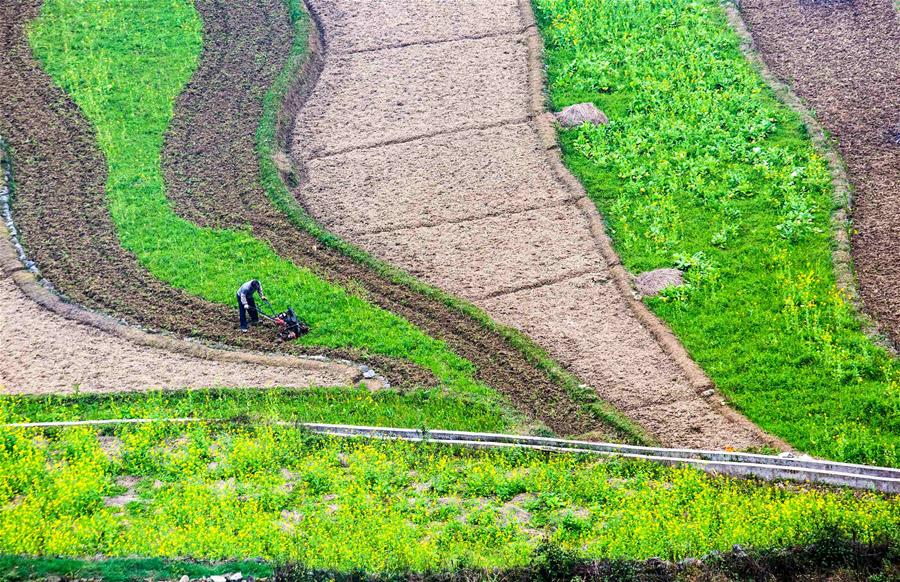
(702,164)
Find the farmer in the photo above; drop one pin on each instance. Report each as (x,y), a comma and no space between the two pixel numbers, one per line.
(247,304)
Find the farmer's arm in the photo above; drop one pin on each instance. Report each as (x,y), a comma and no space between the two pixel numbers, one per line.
(261,294)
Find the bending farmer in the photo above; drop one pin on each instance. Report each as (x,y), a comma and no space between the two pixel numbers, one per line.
(246,304)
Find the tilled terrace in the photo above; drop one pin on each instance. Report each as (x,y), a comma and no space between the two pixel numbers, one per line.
(419,142)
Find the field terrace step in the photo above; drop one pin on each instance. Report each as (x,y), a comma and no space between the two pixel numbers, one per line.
(421,143)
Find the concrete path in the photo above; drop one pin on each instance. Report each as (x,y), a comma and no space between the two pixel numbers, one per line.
(420,143)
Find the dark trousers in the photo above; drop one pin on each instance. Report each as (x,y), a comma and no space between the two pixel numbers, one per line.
(251,309)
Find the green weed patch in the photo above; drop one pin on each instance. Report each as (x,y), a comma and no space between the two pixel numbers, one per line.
(420,409)
(279,494)
(123,62)
(702,168)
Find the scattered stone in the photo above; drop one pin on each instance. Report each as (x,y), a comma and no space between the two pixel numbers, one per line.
(218,579)
(575,115)
(368,374)
(234,577)
(650,283)
(707,393)
(184,578)
(786,455)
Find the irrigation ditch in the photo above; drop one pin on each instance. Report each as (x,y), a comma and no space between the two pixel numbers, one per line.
(735,464)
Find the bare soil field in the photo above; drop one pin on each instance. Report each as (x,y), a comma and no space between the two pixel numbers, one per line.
(842,59)
(419,143)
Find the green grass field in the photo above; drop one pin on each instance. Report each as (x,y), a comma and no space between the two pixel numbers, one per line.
(703,169)
(213,492)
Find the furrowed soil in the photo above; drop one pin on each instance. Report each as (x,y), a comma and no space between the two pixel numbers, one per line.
(61,212)
(421,143)
(843,59)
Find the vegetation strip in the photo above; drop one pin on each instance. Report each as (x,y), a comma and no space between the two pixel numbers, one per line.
(220,491)
(701,168)
(817,47)
(716,462)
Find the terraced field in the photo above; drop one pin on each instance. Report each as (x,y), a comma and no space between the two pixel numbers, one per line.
(390,170)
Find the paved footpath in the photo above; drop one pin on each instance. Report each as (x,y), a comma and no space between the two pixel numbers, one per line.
(419,144)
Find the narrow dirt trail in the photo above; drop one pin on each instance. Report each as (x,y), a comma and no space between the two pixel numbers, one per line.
(420,144)
(843,59)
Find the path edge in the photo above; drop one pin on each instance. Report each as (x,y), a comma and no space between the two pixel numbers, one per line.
(842,191)
(28,282)
(543,124)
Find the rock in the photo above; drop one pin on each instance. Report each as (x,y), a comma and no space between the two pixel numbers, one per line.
(786,455)
(691,563)
(234,577)
(575,115)
(368,374)
(651,283)
(708,393)
(218,579)
(185,578)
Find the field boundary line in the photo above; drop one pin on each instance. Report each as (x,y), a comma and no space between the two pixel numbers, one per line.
(671,346)
(28,282)
(841,257)
(734,464)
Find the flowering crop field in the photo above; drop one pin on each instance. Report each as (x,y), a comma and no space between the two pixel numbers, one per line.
(701,168)
(281,494)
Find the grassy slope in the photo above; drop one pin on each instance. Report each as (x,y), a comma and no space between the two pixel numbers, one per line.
(212,493)
(701,167)
(124,62)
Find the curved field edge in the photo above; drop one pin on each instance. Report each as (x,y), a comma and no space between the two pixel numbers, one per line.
(701,168)
(200,491)
(125,78)
(279,110)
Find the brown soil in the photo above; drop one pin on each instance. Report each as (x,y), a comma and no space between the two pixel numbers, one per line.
(209,180)
(62,216)
(421,144)
(45,353)
(842,59)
